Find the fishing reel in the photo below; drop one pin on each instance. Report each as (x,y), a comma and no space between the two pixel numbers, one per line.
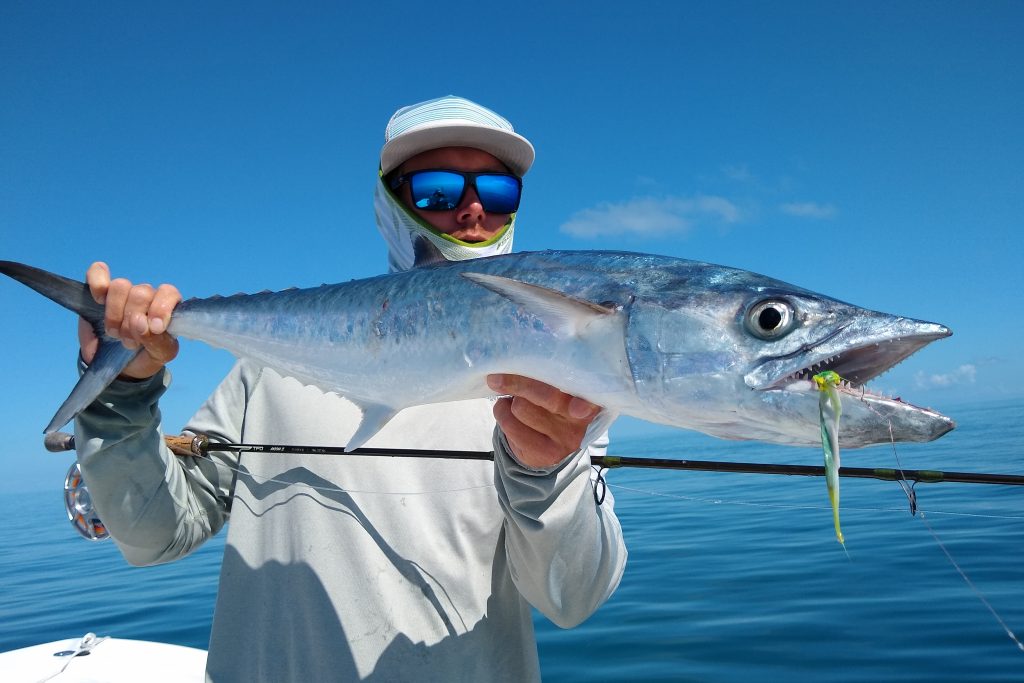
(78,504)
(77,501)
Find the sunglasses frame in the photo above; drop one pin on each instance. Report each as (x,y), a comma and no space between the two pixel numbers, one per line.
(468,180)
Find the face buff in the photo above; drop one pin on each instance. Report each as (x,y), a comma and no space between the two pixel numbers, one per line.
(402,230)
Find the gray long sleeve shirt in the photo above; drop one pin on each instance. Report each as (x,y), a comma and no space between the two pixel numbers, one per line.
(336,568)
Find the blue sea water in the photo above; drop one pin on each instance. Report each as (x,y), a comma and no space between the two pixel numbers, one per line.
(731,577)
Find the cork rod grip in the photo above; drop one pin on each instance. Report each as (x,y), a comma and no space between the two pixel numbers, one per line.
(184,444)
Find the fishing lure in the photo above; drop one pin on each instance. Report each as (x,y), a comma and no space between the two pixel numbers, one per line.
(829,410)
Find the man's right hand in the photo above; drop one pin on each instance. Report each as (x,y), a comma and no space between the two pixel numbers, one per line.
(138,315)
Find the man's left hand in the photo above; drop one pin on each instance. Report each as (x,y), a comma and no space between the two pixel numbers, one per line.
(541,423)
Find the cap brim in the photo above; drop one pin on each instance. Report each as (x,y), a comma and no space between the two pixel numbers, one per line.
(512,149)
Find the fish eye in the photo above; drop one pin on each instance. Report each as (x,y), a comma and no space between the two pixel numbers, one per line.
(770,319)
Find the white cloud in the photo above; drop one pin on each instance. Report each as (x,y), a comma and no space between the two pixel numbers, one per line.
(810,210)
(965,374)
(650,215)
(738,172)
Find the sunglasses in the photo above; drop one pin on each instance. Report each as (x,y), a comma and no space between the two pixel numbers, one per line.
(443,190)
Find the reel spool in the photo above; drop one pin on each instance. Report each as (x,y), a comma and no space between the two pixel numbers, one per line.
(78,504)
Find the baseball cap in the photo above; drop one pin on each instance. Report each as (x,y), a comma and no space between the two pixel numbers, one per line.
(453,121)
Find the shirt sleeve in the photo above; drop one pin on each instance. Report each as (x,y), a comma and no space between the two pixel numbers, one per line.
(566,553)
(157,506)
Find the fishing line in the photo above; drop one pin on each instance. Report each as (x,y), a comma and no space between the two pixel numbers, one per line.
(972,514)
(600,485)
(260,479)
(970,584)
(907,490)
(912,498)
(713,501)
(784,506)
(963,574)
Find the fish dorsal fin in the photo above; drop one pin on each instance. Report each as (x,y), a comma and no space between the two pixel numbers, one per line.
(426,253)
(565,314)
(375,416)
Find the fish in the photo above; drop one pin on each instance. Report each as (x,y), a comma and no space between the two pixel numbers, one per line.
(694,345)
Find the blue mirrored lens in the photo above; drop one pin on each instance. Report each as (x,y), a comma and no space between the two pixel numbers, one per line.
(440,190)
(436,190)
(498,193)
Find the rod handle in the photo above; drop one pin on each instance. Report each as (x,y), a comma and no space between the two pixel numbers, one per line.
(186,445)
(59,442)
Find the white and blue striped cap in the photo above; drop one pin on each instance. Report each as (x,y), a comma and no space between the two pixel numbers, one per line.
(453,122)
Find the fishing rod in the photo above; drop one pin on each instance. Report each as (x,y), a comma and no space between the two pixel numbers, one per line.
(84,519)
(201,446)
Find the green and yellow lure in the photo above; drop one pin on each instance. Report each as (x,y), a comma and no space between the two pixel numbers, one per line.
(829,410)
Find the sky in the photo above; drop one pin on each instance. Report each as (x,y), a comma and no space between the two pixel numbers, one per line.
(869,151)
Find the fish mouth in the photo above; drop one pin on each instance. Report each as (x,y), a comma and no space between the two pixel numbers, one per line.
(859,365)
(856,363)
(858,352)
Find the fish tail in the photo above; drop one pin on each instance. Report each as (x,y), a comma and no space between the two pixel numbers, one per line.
(74,295)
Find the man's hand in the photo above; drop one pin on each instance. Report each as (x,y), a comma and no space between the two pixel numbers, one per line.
(541,424)
(138,315)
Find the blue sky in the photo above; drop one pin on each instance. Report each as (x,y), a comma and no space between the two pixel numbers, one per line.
(870,152)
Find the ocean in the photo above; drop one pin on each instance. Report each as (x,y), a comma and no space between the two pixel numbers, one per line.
(731,577)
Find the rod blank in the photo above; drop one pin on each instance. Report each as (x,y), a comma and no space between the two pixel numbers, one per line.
(201,445)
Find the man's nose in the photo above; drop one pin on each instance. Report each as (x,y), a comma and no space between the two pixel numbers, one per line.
(470,210)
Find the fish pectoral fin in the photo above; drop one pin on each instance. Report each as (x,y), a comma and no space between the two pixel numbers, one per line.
(375,416)
(111,358)
(565,314)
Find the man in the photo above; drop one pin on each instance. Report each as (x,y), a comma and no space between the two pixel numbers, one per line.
(357,568)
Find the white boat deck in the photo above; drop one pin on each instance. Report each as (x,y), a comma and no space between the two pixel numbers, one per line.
(106,660)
